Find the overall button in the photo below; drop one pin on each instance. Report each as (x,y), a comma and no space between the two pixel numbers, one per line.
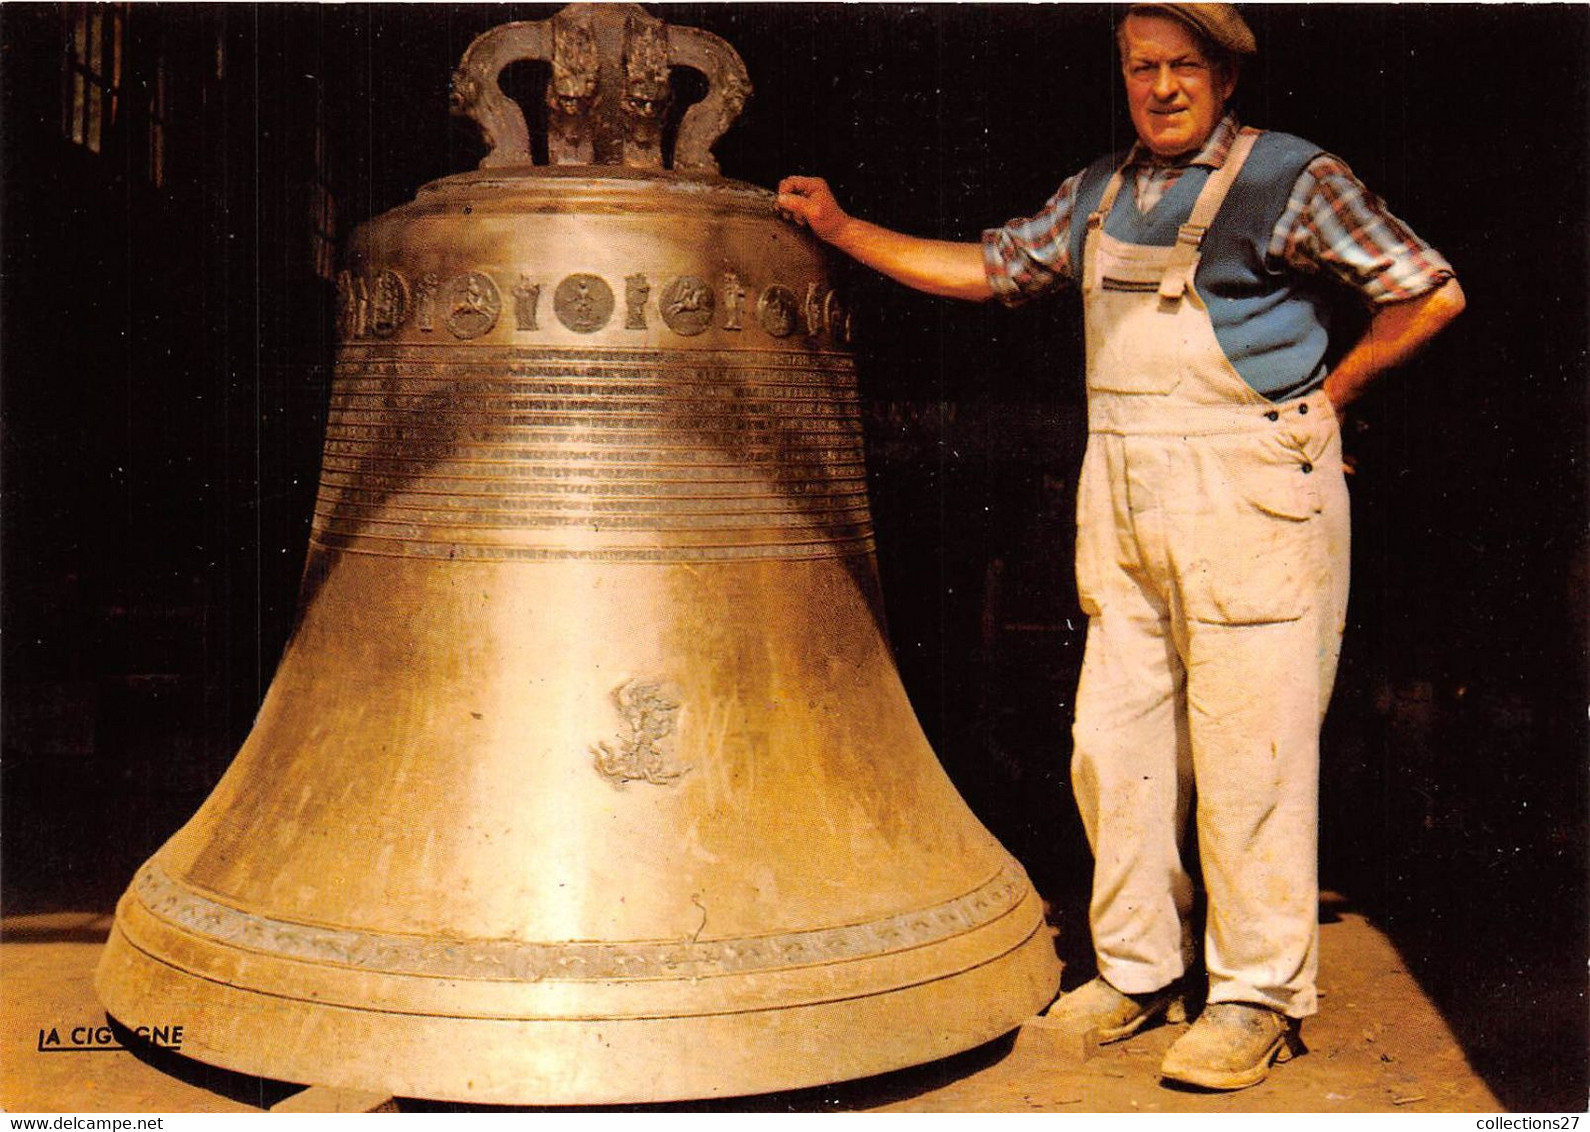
(1307,468)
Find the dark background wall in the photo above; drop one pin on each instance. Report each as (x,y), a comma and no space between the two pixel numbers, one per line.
(165,351)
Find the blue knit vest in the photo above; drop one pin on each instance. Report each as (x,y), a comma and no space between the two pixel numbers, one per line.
(1272,324)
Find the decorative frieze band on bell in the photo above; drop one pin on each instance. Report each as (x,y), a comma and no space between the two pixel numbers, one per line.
(380,305)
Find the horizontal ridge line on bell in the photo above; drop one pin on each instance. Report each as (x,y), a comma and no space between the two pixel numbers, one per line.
(791,493)
(558,447)
(596,406)
(606,378)
(468,401)
(726,424)
(833,432)
(575,478)
(541,469)
(570,496)
(838,522)
(677,418)
(585,531)
(603,379)
(610,456)
(795,356)
(185,908)
(561,447)
(643,439)
(822,483)
(613,371)
(452,551)
(807,454)
(356,519)
(728,359)
(613,1017)
(792,442)
(1008,874)
(764,503)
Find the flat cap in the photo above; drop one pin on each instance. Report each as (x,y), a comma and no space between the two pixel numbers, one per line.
(1220,24)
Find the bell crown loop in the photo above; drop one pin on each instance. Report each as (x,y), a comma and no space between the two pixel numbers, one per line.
(609,93)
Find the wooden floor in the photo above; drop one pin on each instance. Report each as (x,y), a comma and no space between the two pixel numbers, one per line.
(1378,1045)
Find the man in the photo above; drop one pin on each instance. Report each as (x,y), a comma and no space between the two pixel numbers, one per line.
(1212,515)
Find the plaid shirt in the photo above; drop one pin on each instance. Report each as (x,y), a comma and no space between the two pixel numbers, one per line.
(1332,225)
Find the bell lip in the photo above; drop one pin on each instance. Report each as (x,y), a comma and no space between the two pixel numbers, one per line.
(764,1046)
(210,941)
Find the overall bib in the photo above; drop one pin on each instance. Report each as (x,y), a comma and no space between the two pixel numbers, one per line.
(1212,561)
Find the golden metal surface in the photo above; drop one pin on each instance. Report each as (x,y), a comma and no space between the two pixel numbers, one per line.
(587,775)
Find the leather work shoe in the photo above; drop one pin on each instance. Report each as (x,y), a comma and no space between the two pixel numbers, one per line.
(1232,1046)
(1096,1005)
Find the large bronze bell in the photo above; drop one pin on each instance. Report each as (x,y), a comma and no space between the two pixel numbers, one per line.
(587,775)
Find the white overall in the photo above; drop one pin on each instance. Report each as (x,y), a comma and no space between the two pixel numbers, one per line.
(1212,559)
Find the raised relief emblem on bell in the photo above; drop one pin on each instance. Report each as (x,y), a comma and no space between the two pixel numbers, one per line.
(636,291)
(347,305)
(583,303)
(425,301)
(733,300)
(389,303)
(526,297)
(650,711)
(472,304)
(687,305)
(778,311)
(360,307)
(838,318)
(813,309)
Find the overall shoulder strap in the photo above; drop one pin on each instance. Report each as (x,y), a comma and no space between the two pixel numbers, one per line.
(1092,272)
(1190,238)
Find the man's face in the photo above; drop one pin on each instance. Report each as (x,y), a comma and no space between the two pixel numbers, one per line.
(1176,96)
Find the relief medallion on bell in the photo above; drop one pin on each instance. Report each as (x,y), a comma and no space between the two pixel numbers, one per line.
(583,303)
(777,311)
(687,304)
(472,304)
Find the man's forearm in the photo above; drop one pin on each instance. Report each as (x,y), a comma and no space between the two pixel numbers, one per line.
(1396,333)
(938,267)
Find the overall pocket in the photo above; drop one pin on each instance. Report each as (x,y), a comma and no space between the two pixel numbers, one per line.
(1251,552)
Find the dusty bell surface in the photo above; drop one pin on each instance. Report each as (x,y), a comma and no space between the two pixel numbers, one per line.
(587,776)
